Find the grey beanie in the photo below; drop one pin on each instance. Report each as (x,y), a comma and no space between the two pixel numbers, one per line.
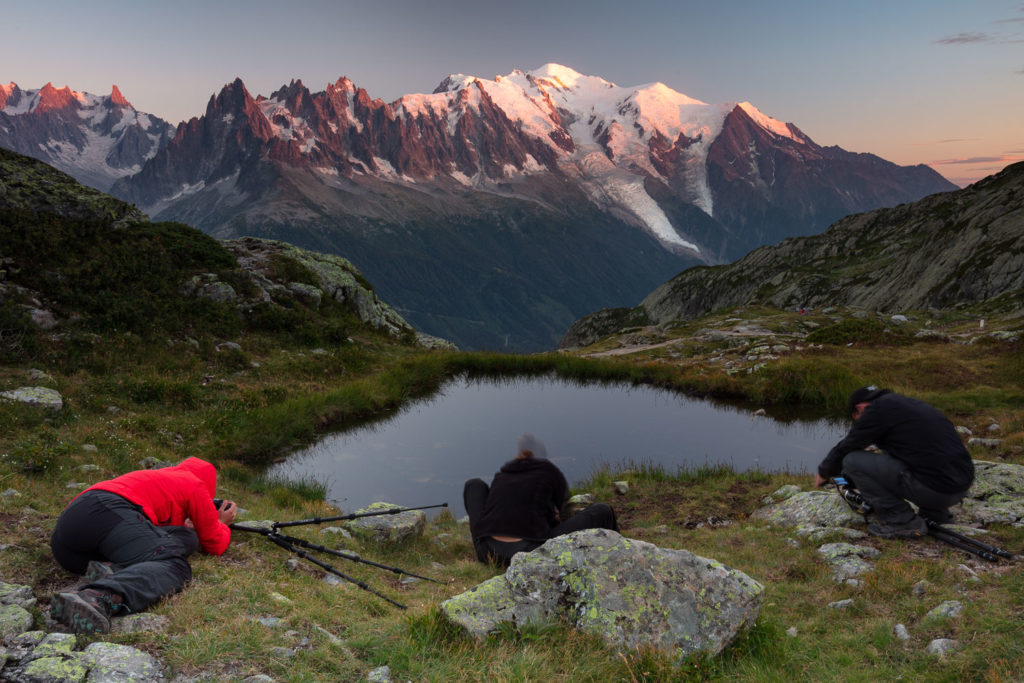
(528,442)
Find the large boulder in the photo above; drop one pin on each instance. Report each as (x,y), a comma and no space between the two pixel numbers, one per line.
(824,508)
(387,528)
(997,495)
(630,593)
(43,397)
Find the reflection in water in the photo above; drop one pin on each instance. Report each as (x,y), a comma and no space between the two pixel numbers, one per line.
(424,454)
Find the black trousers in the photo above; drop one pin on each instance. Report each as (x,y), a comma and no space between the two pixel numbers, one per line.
(151,560)
(887,484)
(474,496)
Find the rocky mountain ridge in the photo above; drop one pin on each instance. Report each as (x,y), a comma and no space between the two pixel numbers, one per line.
(945,251)
(494,212)
(96,139)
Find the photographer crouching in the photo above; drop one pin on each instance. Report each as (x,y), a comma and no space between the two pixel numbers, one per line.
(923,460)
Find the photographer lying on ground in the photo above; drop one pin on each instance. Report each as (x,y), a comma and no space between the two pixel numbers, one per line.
(145,524)
(923,460)
(520,509)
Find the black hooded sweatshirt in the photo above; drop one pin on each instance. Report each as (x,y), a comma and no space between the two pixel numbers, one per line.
(911,431)
(524,500)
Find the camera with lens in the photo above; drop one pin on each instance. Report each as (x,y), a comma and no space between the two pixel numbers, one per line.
(852,496)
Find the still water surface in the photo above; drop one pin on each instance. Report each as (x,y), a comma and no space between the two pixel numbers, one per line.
(424,454)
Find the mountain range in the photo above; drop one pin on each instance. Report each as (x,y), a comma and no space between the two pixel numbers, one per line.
(492,212)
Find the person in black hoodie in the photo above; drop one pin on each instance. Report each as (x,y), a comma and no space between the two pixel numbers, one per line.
(922,460)
(521,508)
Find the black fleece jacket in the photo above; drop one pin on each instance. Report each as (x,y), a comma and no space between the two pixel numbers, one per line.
(911,431)
(524,500)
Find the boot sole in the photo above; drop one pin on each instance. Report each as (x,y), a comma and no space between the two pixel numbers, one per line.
(71,610)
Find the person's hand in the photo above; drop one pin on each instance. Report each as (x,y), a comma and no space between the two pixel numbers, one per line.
(227,512)
(819,480)
(189,524)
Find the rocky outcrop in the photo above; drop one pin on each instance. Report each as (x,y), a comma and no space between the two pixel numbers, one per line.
(630,593)
(335,277)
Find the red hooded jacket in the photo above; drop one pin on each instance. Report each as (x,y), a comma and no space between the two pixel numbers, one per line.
(170,495)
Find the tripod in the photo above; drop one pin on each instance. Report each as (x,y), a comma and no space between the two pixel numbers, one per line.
(293,544)
(985,551)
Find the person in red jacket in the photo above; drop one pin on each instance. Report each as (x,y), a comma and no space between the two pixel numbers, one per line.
(131,537)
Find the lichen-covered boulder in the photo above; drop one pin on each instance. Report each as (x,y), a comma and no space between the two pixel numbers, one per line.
(387,528)
(43,397)
(630,593)
(847,560)
(997,495)
(113,662)
(823,508)
(14,619)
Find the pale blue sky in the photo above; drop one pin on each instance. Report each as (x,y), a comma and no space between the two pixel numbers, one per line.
(916,81)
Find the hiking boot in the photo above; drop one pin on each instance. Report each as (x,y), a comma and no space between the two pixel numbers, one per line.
(98,570)
(915,528)
(85,611)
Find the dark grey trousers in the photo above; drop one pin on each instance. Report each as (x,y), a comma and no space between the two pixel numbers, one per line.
(103,526)
(887,484)
(474,495)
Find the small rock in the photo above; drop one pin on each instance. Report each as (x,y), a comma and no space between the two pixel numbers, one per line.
(791,631)
(270,622)
(987,443)
(10,493)
(143,622)
(841,604)
(900,631)
(920,588)
(277,597)
(89,448)
(993,427)
(380,675)
(950,609)
(282,652)
(941,646)
(965,431)
(620,487)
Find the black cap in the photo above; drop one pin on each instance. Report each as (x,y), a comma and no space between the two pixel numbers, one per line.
(864,395)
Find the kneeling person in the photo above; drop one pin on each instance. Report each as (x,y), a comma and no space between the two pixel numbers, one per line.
(923,460)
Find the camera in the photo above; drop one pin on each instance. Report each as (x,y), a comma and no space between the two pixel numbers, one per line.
(852,496)
(217,502)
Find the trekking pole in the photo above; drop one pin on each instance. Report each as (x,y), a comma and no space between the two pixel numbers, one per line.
(319,548)
(354,515)
(306,556)
(977,547)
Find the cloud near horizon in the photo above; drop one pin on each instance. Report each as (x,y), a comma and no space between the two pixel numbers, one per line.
(1007,158)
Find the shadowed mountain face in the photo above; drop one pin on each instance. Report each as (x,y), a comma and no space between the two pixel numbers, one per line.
(495,212)
(947,250)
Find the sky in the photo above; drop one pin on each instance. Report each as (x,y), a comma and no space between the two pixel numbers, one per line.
(938,82)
